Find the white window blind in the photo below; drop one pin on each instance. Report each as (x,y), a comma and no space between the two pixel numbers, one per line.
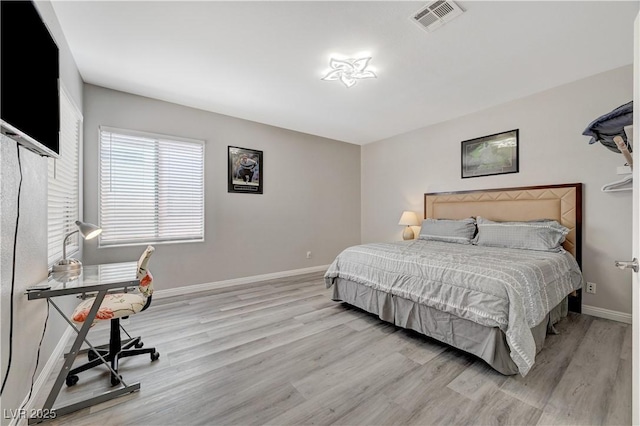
(151,188)
(63,184)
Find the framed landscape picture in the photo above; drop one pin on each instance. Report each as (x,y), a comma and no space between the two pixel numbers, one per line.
(490,155)
(246,170)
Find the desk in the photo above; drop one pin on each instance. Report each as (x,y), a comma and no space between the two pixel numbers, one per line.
(95,279)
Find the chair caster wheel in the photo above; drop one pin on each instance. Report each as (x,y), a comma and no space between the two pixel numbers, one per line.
(139,345)
(155,356)
(72,380)
(115,380)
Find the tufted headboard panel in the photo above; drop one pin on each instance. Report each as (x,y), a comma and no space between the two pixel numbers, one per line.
(559,202)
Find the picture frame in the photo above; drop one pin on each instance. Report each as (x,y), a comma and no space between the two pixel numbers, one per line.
(495,154)
(245,170)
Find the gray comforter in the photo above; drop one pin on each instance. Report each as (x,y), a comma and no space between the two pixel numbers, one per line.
(507,288)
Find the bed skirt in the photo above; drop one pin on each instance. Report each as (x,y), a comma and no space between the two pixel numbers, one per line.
(487,343)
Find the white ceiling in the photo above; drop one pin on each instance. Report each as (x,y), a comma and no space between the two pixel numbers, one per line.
(263,61)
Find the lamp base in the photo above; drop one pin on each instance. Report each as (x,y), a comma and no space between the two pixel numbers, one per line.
(67,265)
(408,233)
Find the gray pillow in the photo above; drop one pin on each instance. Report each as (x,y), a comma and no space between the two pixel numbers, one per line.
(448,230)
(541,235)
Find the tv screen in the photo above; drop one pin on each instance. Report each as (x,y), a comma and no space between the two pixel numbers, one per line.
(29,88)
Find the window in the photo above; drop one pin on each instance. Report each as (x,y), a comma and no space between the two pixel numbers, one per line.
(151,188)
(63,183)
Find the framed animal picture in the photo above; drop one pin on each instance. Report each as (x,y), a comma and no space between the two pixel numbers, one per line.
(246,170)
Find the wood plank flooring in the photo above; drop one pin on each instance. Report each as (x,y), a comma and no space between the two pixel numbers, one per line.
(281,352)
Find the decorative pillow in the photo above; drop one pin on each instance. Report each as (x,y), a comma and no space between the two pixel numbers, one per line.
(541,235)
(448,230)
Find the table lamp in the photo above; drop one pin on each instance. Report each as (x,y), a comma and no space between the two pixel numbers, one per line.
(409,219)
(88,231)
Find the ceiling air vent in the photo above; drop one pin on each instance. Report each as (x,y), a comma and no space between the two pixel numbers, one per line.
(436,14)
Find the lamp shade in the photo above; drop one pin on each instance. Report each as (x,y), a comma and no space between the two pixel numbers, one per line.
(88,230)
(409,219)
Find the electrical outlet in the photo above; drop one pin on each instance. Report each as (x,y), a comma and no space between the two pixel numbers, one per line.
(591,288)
(308,255)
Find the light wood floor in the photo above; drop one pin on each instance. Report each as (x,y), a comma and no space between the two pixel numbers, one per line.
(282,353)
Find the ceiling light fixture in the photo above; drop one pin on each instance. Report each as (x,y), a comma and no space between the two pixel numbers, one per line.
(349,71)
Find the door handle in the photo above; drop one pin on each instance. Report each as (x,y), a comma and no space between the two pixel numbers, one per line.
(628,265)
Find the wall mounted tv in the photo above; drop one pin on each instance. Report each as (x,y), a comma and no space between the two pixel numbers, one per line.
(29,86)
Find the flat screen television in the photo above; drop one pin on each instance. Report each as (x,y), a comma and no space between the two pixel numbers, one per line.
(29,79)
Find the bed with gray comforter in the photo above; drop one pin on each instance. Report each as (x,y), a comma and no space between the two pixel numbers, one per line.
(496,303)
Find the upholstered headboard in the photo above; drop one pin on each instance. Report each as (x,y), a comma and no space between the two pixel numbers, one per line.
(559,202)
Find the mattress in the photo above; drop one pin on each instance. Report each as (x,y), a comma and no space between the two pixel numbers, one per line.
(513,291)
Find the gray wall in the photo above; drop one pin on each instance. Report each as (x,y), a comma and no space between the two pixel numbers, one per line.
(31,258)
(396,172)
(311,199)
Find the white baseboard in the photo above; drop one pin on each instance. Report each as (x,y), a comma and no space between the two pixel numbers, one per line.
(178,291)
(606,313)
(46,371)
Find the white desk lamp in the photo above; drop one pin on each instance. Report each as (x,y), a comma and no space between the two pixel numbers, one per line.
(88,231)
(409,219)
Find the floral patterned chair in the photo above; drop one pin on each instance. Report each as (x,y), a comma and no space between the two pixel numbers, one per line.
(114,307)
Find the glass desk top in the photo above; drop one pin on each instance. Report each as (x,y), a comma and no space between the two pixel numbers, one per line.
(91,278)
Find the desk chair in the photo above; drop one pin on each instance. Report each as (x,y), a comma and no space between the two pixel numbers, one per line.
(113,307)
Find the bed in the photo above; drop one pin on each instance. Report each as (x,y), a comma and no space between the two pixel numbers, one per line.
(495,302)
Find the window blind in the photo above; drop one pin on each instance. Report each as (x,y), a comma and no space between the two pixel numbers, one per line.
(151,188)
(63,184)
